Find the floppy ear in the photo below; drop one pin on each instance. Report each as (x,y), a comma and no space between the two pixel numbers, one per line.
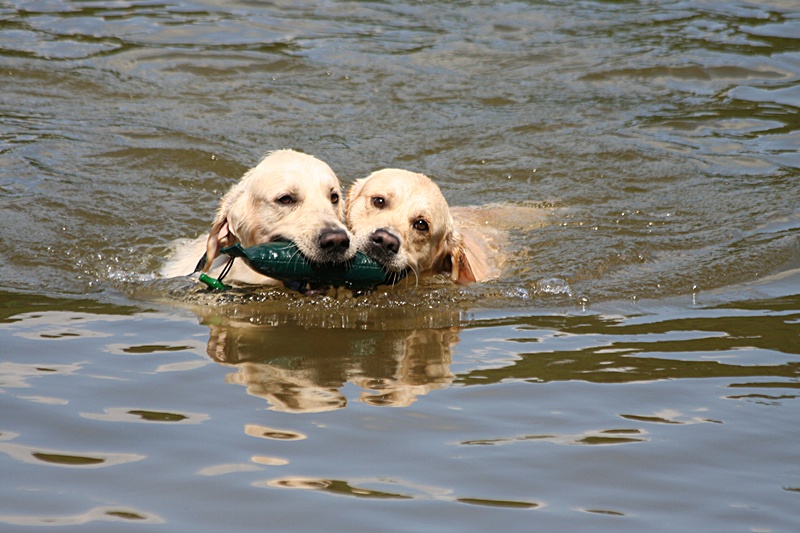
(461,271)
(470,257)
(220,234)
(454,260)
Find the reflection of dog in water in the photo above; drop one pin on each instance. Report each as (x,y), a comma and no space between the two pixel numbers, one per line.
(297,370)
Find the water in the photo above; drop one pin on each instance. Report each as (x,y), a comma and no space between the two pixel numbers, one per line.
(635,368)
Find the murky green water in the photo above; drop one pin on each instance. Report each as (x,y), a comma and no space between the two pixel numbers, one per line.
(635,369)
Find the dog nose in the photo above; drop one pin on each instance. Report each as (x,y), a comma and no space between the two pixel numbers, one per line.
(386,240)
(334,240)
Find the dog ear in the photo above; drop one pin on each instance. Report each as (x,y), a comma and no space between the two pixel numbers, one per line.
(470,257)
(455,260)
(221,234)
(461,271)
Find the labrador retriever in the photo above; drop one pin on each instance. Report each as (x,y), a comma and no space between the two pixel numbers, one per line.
(401,220)
(288,196)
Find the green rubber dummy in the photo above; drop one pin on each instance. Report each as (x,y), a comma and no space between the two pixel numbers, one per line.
(283,261)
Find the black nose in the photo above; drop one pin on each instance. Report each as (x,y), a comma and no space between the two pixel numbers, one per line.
(334,240)
(385,240)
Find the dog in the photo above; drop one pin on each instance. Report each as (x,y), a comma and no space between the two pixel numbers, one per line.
(288,196)
(401,220)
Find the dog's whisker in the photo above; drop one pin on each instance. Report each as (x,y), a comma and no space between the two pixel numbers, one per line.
(296,254)
(416,276)
(389,275)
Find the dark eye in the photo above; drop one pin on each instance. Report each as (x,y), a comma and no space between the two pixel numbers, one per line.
(286,199)
(420,225)
(379,202)
(334,198)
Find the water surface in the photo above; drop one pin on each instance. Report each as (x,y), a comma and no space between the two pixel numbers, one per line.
(635,368)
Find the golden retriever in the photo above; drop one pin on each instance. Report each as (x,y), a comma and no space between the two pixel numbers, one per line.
(288,196)
(401,220)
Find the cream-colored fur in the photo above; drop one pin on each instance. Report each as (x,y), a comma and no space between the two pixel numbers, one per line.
(401,220)
(288,196)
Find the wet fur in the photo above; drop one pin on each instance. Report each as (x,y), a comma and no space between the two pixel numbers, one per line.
(395,201)
(255,211)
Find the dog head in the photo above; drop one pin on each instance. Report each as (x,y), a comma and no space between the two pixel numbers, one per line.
(288,196)
(401,220)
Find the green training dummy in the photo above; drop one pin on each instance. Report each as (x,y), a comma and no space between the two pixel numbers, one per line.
(283,261)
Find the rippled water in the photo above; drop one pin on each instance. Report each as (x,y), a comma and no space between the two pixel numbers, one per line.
(635,368)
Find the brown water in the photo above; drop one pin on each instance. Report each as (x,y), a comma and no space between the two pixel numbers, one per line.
(635,369)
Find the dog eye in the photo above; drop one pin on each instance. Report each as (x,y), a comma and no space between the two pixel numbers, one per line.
(379,202)
(286,199)
(335,198)
(420,225)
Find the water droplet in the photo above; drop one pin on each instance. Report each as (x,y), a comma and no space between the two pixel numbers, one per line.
(519,292)
(554,286)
